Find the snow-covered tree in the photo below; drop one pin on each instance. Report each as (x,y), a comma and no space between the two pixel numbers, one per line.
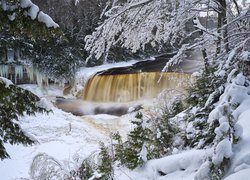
(62,56)
(15,102)
(214,121)
(136,24)
(21,23)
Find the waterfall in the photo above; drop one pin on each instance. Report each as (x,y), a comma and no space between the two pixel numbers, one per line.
(131,87)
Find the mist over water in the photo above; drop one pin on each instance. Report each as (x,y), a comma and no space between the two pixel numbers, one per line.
(81,107)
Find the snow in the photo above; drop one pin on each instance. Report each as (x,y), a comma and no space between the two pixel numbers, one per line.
(178,166)
(34,12)
(239,175)
(7,82)
(42,17)
(87,72)
(25,3)
(223,150)
(240,167)
(33,9)
(60,135)
(198,25)
(12,16)
(245,55)
(203,172)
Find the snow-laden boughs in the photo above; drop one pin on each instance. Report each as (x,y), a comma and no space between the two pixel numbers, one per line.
(11,10)
(233,67)
(226,132)
(22,25)
(15,102)
(136,24)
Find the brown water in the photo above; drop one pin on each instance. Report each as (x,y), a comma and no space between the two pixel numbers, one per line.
(132,87)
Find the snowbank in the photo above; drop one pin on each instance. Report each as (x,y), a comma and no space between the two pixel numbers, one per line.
(177,166)
(7,82)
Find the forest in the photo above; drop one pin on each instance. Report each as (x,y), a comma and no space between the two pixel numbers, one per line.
(198,133)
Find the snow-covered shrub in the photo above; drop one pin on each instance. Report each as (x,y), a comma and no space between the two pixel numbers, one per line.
(47,167)
(206,83)
(86,170)
(128,152)
(97,166)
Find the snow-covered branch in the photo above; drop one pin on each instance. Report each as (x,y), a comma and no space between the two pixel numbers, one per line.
(140,23)
(30,9)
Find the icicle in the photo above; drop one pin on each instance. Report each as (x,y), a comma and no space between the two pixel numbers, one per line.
(39,79)
(4,71)
(46,81)
(18,72)
(30,72)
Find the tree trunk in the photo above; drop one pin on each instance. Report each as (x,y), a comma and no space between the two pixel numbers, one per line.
(204,54)
(222,28)
(218,44)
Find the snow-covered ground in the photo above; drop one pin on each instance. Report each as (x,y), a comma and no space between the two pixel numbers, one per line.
(60,135)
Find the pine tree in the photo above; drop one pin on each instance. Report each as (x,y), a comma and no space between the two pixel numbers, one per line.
(15,102)
(207,83)
(128,152)
(18,27)
(105,168)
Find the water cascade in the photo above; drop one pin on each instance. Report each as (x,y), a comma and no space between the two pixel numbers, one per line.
(131,87)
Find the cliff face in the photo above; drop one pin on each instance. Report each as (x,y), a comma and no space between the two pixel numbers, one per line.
(192,62)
